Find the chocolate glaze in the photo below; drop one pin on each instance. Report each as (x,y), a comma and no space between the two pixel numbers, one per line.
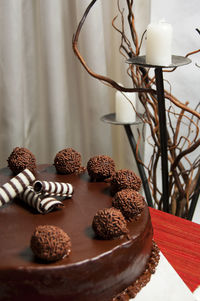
(95,269)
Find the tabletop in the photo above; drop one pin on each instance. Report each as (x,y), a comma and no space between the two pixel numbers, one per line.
(179,241)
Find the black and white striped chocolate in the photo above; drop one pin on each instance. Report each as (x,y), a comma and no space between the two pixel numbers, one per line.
(53,188)
(42,205)
(15,186)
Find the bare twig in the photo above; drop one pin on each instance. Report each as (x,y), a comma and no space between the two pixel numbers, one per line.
(184,170)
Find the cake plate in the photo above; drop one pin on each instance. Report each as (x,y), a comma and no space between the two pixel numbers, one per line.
(165,285)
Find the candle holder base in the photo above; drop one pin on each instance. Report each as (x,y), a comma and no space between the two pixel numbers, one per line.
(177,61)
(111,118)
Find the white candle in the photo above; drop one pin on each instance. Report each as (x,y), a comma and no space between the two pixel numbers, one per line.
(124,107)
(158,44)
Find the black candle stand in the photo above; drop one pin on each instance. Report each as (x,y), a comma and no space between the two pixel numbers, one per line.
(177,61)
(111,118)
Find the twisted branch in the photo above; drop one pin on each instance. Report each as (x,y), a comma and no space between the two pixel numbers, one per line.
(184,172)
(102,78)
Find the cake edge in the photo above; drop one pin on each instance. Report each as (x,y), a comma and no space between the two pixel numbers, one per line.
(132,290)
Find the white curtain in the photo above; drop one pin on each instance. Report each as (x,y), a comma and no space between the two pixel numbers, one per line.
(48,101)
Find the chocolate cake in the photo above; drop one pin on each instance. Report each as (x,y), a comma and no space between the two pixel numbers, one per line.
(94,268)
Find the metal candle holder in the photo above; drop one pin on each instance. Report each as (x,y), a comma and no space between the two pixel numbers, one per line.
(177,61)
(111,118)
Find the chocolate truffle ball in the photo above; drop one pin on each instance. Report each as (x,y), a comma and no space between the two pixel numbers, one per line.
(100,167)
(129,202)
(68,161)
(109,223)
(50,243)
(123,179)
(20,159)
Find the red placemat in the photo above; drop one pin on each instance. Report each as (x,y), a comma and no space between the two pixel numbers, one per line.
(179,241)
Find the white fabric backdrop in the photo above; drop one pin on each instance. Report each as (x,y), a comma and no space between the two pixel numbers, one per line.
(48,101)
(184,17)
(185,80)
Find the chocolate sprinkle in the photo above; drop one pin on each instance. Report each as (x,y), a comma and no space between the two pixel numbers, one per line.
(109,223)
(68,161)
(130,202)
(123,179)
(101,167)
(20,159)
(50,243)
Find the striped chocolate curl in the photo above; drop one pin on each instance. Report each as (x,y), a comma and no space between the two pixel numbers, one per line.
(42,205)
(15,186)
(53,188)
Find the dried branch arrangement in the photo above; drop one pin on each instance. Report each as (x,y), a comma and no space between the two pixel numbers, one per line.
(182,121)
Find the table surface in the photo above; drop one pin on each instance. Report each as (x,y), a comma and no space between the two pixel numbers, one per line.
(179,241)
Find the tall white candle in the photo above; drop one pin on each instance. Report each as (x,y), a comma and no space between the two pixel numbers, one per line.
(124,107)
(159,43)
